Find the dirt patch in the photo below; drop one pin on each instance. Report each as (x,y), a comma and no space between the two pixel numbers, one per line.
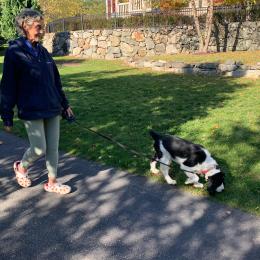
(69,63)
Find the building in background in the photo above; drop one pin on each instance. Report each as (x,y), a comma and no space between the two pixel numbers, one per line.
(125,8)
(131,6)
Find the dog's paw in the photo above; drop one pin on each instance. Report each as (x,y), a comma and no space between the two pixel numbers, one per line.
(190,181)
(171,182)
(198,185)
(155,171)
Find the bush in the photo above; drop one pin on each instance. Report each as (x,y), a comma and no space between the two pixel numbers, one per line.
(2,41)
(238,14)
(224,14)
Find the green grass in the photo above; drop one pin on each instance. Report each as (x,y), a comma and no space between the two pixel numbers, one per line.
(246,57)
(219,113)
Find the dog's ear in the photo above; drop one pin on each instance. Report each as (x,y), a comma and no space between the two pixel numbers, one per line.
(195,158)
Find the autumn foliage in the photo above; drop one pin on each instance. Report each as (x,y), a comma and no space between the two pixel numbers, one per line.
(166,5)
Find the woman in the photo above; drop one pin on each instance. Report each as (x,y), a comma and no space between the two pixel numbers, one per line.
(31,81)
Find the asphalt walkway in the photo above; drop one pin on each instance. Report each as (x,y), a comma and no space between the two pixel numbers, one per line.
(113,215)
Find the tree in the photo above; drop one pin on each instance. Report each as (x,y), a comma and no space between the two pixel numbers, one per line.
(56,9)
(167,5)
(204,36)
(247,4)
(95,6)
(242,2)
(9,10)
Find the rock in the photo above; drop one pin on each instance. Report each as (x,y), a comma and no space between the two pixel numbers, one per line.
(149,43)
(159,64)
(230,62)
(200,71)
(142,52)
(244,73)
(115,41)
(168,65)
(101,51)
(126,33)
(97,32)
(88,52)
(81,42)
(160,48)
(180,65)
(107,32)
(109,56)
(77,51)
(102,38)
(102,44)
(114,50)
(93,42)
(117,55)
(87,35)
(171,49)
(148,64)
(117,33)
(129,41)
(207,66)
(227,67)
(137,36)
(126,49)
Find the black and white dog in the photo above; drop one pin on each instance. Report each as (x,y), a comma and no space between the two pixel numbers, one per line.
(193,159)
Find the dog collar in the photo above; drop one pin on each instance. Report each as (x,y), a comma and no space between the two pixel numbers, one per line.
(204,171)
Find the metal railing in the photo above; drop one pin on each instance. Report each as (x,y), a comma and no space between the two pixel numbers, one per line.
(123,8)
(154,18)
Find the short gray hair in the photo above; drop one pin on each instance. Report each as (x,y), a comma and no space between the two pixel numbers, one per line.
(27,16)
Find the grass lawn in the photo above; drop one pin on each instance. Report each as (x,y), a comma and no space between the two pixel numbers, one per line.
(221,113)
(246,57)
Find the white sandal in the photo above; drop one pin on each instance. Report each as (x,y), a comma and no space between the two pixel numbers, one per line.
(58,188)
(22,178)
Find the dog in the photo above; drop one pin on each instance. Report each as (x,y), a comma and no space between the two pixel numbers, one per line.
(192,158)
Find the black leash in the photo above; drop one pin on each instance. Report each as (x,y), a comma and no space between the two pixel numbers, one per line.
(72,119)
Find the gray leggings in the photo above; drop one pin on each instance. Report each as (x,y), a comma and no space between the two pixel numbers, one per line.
(43,136)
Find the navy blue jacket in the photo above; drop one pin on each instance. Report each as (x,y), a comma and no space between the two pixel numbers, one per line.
(31,82)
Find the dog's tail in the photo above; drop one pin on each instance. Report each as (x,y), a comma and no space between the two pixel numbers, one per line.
(154,135)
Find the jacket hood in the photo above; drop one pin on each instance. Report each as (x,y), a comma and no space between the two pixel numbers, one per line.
(20,42)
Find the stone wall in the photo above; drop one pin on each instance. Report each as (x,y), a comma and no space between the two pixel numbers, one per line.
(119,43)
(230,68)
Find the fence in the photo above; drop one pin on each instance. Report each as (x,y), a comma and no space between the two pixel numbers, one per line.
(154,18)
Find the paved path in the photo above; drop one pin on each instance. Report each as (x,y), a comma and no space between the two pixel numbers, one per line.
(114,215)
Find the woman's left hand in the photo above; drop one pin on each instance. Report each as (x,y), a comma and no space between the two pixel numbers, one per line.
(70,112)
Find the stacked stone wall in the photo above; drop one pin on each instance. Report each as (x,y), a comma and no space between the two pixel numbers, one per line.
(142,42)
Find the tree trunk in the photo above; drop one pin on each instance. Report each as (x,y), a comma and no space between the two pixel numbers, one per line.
(197,25)
(209,23)
(204,38)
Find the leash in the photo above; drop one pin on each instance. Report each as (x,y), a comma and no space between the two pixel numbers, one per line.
(72,119)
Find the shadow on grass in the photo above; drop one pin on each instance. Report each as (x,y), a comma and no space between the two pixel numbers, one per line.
(244,182)
(125,107)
